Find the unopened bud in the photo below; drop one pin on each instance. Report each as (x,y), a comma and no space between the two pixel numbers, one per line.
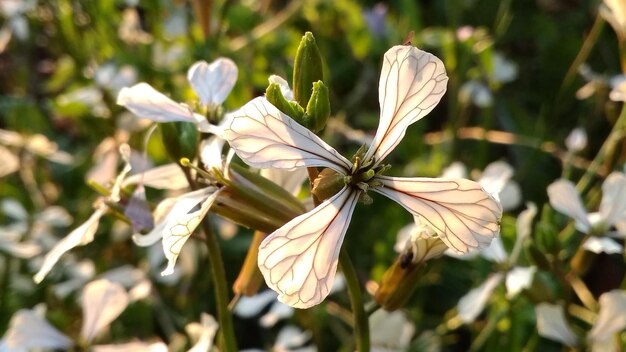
(318,108)
(274,95)
(307,69)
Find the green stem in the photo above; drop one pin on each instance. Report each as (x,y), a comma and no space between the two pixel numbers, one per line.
(361,322)
(228,341)
(607,148)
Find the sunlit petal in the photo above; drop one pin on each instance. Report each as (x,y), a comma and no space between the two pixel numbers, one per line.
(211,152)
(203,333)
(518,279)
(602,245)
(566,200)
(27,330)
(495,177)
(551,324)
(181,222)
(169,176)
(412,82)
(495,252)
(264,137)
(80,236)
(464,216)
(277,312)
(290,180)
(146,102)
(10,162)
(248,307)
(611,317)
(299,260)
(132,347)
(390,331)
(473,303)
(213,82)
(284,86)
(613,205)
(103,301)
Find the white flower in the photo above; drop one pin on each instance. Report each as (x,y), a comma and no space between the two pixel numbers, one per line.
(614,12)
(390,331)
(299,260)
(611,319)
(418,242)
(576,140)
(85,233)
(103,301)
(211,82)
(516,279)
(565,199)
(202,333)
(28,330)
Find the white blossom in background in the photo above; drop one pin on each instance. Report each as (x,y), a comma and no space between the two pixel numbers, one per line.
(11,240)
(576,141)
(103,301)
(614,12)
(15,24)
(299,260)
(84,234)
(611,319)
(565,199)
(129,29)
(477,91)
(115,78)
(390,331)
(202,333)
(516,279)
(137,346)
(36,144)
(29,330)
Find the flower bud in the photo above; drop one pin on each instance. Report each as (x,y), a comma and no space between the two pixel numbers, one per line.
(180,139)
(250,278)
(274,95)
(307,69)
(318,108)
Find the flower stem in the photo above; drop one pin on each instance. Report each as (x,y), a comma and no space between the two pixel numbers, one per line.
(361,323)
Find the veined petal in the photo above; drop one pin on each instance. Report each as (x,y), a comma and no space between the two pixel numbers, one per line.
(146,102)
(103,301)
(299,260)
(551,324)
(264,137)
(464,216)
(566,200)
(213,82)
(613,205)
(79,237)
(611,317)
(169,176)
(412,82)
(182,220)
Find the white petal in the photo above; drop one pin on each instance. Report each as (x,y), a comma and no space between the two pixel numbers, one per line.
(132,347)
(211,152)
(277,312)
(511,196)
(299,260)
(264,137)
(284,86)
(412,82)
(146,102)
(473,303)
(602,245)
(524,229)
(79,237)
(247,307)
(613,205)
(495,252)
(181,222)
(213,82)
(169,176)
(205,333)
(566,200)
(519,278)
(14,209)
(551,324)
(160,220)
(455,170)
(103,301)
(290,338)
(27,330)
(24,250)
(464,216)
(290,180)
(495,177)
(576,140)
(611,317)
(391,330)
(10,162)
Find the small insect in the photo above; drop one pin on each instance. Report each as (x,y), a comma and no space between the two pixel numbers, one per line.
(406,259)
(408,38)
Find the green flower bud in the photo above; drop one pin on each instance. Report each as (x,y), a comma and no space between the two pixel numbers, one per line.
(307,69)
(290,108)
(318,108)
(180,139)
(327,184)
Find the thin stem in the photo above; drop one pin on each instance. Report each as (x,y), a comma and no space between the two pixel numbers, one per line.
(607,148)
(361,323)
(218,274)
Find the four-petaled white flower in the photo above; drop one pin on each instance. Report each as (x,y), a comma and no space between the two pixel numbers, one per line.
(299,260)
(565,199)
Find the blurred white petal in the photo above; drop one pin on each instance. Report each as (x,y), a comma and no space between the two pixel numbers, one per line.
(411,84)
(551,324)
(565,199)
(523,226)
(213,82)
(169,176)
(24,250)
(132,347)
(476,92)
(576,140)
(146,102)
(182,220)
(462,214)
(249,306)
(14,209)
(495,252)
(80,236)
(299,260)
(211,152)
(160,215)
(264,137)
(518,279)
(27,330)
(602,245)
(455,170)
(10,162)
(613,205)
(291,337)
(55,216)
(278,311)
(504,70)
(103,301)
(473,303)
(611,317)
(390,330)
(203,333)
(495,177)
